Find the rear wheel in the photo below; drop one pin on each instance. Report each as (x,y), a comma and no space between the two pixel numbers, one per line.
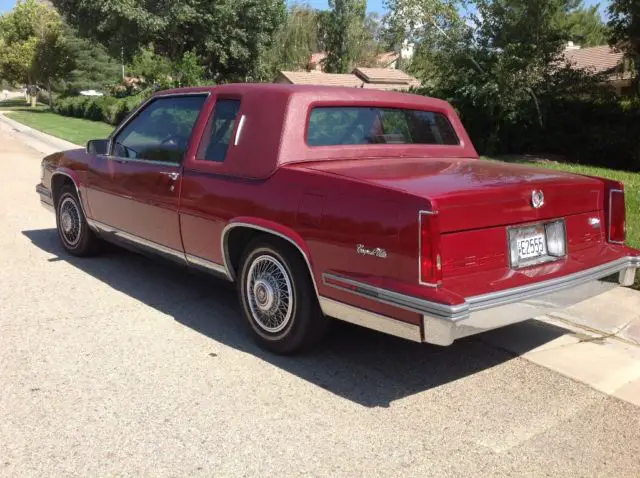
(73,230)
(278,298)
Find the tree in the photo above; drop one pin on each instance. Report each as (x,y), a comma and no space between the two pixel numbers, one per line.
(32,48)
(188,70)
(413,20)
(500,71)
(52,58)
(92,68)
(230,36)
(343,32)
(295,40)
(624,21)
(585,24)
(160,72)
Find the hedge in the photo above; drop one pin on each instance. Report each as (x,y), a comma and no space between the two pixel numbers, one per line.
(589,132)
(98,108)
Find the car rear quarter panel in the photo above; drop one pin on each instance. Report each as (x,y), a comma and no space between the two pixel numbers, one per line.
(327,217)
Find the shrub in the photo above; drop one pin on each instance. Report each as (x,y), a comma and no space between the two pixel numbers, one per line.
(588,131)
(97,108)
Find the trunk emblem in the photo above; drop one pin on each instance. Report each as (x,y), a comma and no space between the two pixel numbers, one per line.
(537,199)
(377,252)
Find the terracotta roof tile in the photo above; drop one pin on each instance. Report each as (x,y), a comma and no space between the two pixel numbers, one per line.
(599,59)
(319,78)
(386,59)
(387,86)
(386,76)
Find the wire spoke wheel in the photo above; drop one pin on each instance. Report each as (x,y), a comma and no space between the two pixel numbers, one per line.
(269,294)
(70,221)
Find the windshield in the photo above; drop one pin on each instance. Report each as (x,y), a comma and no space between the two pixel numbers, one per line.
(339,125)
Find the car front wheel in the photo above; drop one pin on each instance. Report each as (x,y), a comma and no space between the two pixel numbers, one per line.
(278,298)
(73,230)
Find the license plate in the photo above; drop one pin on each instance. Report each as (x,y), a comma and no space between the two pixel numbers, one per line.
(528,245)
(531,246)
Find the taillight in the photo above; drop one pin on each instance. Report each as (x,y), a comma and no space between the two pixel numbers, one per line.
(429,262)
(616,220)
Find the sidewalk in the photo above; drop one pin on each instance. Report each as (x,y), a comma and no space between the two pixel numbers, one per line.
(596,342)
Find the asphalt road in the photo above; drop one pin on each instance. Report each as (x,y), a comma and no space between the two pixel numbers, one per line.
(121,365)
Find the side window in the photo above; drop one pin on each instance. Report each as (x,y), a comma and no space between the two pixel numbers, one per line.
(161,131)
(217,136)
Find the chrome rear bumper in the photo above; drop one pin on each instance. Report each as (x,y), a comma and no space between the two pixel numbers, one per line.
(442,324)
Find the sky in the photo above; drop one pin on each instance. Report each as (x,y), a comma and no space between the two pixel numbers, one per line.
(376,5)
(373,5)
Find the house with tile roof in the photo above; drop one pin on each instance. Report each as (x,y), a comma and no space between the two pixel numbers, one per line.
(602,60)
(315,77)
(387,59)
(376,78)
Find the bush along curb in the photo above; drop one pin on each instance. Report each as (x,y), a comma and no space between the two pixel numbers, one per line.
(101,108)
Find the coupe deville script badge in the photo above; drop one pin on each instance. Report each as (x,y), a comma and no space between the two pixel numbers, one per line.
(537,199)
(377,252)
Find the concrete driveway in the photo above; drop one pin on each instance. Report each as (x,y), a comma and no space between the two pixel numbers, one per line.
(122,365)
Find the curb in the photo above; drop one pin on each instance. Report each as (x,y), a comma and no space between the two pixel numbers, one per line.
(42,142)
(594,359)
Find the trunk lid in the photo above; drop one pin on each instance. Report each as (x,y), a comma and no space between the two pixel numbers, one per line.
(473,194)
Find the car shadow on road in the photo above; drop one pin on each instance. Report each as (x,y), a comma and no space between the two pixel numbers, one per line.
(366,367)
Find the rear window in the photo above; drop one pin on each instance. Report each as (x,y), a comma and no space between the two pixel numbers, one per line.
(331,125)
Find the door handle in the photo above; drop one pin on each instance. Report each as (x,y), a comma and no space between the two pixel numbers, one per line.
(172,175)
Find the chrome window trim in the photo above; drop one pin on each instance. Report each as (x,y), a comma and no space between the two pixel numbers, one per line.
(145,161)
(485,301)
(370,320)
(611,191)
(420,281)
(239,130)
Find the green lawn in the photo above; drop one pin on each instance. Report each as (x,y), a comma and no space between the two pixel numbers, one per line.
(19,104)
(75,130)
(631,187)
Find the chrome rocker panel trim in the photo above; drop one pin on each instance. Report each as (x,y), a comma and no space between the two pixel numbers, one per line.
(208,266)
(442,324)
(104,231)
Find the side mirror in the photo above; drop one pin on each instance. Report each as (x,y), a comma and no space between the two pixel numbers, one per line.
(98,146)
